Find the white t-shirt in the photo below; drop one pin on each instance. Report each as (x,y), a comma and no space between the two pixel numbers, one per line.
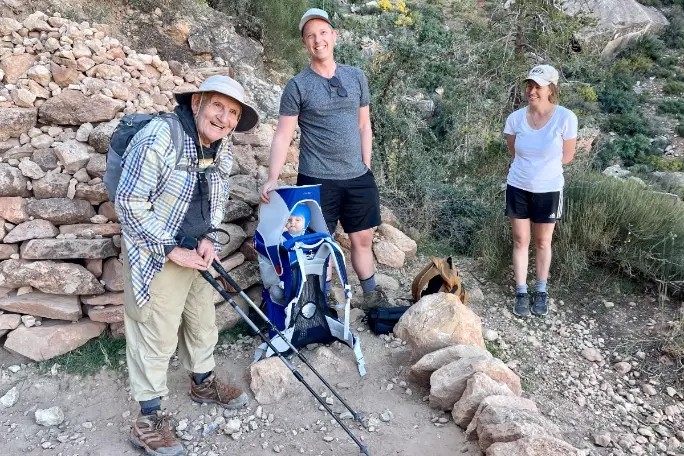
(537,166)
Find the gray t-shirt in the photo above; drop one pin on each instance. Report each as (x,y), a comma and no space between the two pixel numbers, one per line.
(330,145)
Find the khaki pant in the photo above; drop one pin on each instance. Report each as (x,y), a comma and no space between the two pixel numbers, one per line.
(180,313)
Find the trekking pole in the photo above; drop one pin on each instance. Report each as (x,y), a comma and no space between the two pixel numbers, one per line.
(225,295)
(223,273)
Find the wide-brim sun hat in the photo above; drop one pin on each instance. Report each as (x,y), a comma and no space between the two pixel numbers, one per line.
(313,13)
(543,75)
(230,87)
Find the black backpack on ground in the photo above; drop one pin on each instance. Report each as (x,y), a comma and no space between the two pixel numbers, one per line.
(381,320)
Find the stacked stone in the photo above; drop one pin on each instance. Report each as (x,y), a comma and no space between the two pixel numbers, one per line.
(63,87)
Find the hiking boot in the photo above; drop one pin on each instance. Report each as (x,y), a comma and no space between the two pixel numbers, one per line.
(213,391)
(373,299)
(522,305)
(153,434)
(540,304)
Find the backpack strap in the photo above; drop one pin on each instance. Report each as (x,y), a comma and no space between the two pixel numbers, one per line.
(422,278)
(177,133)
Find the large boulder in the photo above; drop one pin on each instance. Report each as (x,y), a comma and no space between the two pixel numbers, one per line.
(533,446)
(271,380)
(61,211)
(51,339)
(71,107)
(33,229)
(448,383)
(99,137)
(421,371)
(436,321)
(493,407)
(43,305)
(15,121)
(618,22)
(244,188)
(49,277)
(64,249)
(395,236)
(479,386)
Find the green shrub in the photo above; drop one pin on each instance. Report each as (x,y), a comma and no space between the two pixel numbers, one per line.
(673,35)
(680,130)
(587,93)
(606,221)
(616,100)
(675,107)
(673,88)
(629,123)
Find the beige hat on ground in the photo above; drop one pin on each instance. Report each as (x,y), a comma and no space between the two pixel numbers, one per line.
(229,87)
(313,13)
(543,75)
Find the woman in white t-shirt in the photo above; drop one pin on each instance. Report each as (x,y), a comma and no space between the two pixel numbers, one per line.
(541,137)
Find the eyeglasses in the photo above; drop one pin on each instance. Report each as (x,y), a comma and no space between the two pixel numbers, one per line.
(336,84)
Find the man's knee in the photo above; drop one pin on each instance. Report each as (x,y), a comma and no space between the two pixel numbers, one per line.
(361,239)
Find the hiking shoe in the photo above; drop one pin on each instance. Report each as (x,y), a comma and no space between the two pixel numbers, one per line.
(213,391)
(540,304)
(373,299)
(522,305)
(153,434)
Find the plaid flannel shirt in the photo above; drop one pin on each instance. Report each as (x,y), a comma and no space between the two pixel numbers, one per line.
(153,196)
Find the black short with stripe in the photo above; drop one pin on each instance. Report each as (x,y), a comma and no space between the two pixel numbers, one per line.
(354,202)
(538,207)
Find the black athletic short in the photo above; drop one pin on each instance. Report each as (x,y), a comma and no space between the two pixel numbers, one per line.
(538,207)
(354,202)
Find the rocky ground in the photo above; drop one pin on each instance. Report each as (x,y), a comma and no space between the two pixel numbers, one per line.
(593,366)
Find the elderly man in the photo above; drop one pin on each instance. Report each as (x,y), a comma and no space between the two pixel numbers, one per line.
(169,202)
(330,103)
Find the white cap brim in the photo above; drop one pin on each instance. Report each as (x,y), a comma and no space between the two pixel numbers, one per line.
(542,82)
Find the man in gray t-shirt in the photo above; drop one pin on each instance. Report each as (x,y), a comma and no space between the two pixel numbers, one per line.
(330,103)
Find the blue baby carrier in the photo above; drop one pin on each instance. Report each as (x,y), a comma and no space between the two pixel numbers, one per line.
(296,268)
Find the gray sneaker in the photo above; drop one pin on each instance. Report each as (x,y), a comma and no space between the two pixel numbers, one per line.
(373,299)
(522,305)
(540,304)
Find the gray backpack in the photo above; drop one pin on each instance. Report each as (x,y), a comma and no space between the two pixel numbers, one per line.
(128,126)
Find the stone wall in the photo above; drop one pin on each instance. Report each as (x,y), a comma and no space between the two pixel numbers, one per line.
(63,87)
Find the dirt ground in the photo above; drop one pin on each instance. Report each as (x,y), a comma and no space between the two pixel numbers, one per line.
(98,408)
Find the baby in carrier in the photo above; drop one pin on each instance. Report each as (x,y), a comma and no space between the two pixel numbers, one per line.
(296,225)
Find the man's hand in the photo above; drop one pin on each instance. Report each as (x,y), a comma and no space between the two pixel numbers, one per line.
(205,249)
(267,187)
(187,258)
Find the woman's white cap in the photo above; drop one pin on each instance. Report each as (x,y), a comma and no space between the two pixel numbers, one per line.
(543,75)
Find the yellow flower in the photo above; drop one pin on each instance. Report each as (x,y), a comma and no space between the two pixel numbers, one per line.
(385,5)
(402,8)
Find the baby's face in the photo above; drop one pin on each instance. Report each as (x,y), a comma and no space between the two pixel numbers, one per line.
(295,224)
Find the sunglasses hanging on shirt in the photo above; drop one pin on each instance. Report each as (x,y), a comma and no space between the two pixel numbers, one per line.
(336,84)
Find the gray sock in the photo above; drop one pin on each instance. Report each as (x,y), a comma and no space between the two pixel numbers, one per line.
(149,407)
(368,284)
(521,289)
(199,378)
(540,286)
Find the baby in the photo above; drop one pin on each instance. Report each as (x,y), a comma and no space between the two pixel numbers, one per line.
(296,225)
(298,221)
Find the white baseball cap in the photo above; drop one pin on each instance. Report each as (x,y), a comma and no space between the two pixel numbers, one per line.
(543,75)
(313,13)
